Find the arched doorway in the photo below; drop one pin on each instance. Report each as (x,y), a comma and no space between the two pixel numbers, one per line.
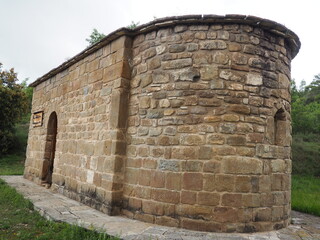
(50,148)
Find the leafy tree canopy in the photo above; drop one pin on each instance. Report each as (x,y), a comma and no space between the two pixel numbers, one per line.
(13,104)
(306,106)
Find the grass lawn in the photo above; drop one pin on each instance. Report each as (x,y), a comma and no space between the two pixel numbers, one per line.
(305,195)
(19,221)
(12,164)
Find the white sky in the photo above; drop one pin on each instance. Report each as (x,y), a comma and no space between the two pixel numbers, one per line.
(38,35)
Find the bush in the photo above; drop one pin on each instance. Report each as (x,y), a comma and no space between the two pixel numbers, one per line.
(306,154)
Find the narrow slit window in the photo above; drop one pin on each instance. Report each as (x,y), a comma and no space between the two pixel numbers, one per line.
(279,127)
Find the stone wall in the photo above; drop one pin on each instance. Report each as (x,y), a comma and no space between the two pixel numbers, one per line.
(202,129)
(182,122)
(90,142)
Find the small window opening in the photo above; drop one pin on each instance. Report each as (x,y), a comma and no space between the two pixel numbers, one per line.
(279,127)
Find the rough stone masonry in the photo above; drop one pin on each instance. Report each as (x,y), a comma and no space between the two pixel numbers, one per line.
(184,121)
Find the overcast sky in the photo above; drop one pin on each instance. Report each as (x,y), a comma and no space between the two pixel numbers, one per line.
(38,35)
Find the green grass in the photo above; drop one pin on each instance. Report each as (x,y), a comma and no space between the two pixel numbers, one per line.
(12,164)
(19,221)
(305,195)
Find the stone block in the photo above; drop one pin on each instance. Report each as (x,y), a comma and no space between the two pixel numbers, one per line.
(173,181)
(262,214)
(276,182)
(176,64)
(192,140)
(209,102)
(242,165)
(194,211)
(132,175)
(231,200)
(277,213)
(149,53)
(209,182)
(167,221)
(192,166)
(155,113)
(144,177)
(135,203)
(243,184)
(205,152)
(192,181)
(215,139)
(254,79)
(200,225)
(236,140)
(180,28)
(237,108)
(239,58)
(176,48)
(157,179)
(217,84)
(227,128)
(164,103)
(165,196)
(225,214)
(144,102)
(149,163)
(184,153)
(169,165)
(208,199)
(145,80)
(251,200)
(144,217)
(122,42)
(213,45)
(234,47)
(278,165)
(230,118)
(212,166)
(201,58)
(188,197)
(152,207)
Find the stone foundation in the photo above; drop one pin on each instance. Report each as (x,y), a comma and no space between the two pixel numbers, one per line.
(183,122)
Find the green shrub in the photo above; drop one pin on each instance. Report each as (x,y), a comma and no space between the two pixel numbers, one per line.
(306,154)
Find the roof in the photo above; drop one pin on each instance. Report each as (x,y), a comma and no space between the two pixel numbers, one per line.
(271,26)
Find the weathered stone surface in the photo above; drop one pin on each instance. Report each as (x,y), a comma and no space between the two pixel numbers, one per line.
(220,58)
(254,79)
(209,73)
(242,165)
(179,63)
(217,84)
(192,181)
(214,44)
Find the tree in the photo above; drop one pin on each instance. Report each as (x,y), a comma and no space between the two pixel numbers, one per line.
(133,25)
(13,104)
(29,93)
(313,90)
(95,37)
